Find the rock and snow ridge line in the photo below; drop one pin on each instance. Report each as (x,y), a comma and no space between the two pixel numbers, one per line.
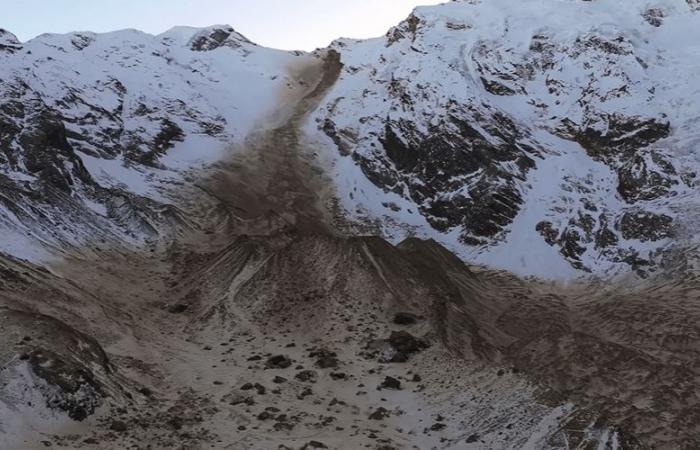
(555,146)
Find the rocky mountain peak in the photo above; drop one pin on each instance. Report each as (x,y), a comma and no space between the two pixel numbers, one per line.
(8,38)
(8,41)
(208,38)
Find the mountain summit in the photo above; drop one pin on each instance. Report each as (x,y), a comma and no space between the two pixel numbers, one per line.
(205,39)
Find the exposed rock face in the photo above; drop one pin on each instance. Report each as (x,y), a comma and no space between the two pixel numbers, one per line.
(8,42)
(645,226)
(217,37)
(457,174)
(463,113)
(71,370)
(643,174)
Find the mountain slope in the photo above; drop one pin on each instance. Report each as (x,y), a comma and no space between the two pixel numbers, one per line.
(102,125)
(210,244)
(531,137)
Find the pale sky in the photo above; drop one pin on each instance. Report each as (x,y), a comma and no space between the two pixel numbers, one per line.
(284,24)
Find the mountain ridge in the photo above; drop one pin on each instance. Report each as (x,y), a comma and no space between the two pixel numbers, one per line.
(481,217)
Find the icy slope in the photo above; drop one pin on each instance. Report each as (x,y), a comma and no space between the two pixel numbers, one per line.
(93,126)
(551,138)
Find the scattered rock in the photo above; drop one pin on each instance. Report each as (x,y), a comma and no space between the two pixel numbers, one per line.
(395,357)
(405,342)
(118,426)
(176,423)
(307,376)
(305,393)
(265,415)
(404,318)
(390,383)
(278,362)
(283,426)
(438,426)
(178,308)
(314,444)
(401,345)
(325,359)
(146,392)
(380,414)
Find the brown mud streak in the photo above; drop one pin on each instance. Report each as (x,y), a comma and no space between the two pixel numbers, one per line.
(271,185)
(267,187)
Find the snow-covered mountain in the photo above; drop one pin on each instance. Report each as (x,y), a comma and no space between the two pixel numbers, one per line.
(190,221)
(539,136)
(96,127)
(550,138)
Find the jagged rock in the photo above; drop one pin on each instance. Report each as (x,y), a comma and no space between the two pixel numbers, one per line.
(9,42)
(217,37)
(645,226)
